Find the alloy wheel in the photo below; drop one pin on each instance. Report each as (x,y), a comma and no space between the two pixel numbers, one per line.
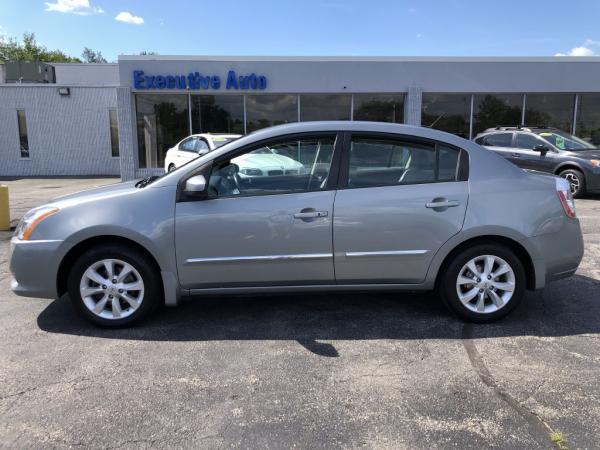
(574,182)
(485,284)
(112,289)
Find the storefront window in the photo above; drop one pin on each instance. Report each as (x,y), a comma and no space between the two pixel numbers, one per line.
(552,110)
(379,107)
(218,114)
(264,111)
(447,112)
(490,110)
(325,107)
(162,121)
(588,118)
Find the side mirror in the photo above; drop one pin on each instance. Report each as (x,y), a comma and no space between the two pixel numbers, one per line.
(202,151)
(541,148)
(195,185)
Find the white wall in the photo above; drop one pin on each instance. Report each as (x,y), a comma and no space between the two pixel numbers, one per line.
(68,135)
(70,74)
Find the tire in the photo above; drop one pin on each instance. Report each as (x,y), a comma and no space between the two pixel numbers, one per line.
(171,167)
(126,306)
(576,180)
(495,306)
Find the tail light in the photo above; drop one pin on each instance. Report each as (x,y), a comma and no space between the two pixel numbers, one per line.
(563,190)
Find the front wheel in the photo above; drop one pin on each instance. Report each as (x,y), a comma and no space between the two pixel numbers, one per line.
(576,180)
(483,283)
(114,285)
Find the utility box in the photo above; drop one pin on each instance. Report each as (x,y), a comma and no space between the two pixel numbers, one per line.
(29,72)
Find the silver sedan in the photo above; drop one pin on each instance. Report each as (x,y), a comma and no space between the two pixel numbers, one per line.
(380,207)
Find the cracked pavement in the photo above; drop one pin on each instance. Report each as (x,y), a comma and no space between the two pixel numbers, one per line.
(312,371)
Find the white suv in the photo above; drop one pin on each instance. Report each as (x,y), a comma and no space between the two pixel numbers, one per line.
(194,146)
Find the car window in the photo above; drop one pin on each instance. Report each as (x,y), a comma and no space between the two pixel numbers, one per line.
(498,140)
(382,162)
(527,141)
(268,169)
(189,145)
(201,145)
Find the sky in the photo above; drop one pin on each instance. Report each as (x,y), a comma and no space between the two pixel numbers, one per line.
(309,27)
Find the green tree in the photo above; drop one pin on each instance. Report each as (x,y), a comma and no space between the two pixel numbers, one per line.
(91,56)
(29,50)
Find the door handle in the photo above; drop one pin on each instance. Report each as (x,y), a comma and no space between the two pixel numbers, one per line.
(515,155)
(310,214)
(442,204)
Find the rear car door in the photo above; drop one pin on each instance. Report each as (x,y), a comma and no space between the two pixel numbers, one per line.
(399,201)
(529,158)
(259,227)
(501,143)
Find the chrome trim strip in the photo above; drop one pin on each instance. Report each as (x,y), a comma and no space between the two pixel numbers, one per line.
(386,253)
(259,258)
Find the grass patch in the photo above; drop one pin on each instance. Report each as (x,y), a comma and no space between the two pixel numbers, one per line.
(559,439)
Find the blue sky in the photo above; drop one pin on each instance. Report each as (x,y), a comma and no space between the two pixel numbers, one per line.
(310,27)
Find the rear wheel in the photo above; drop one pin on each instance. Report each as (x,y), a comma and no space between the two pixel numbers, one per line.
(483,283)
(114,285)
(576,180)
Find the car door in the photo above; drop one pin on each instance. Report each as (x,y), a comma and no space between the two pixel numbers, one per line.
(399,201)
(187,150)
(257,228)
(501,143)
(529,158)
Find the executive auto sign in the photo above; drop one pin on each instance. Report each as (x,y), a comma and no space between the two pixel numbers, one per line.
(198,81)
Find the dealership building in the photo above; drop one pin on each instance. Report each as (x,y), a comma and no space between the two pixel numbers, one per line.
(120,119)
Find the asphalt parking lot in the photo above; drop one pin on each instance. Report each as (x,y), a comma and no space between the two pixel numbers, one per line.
(312,371)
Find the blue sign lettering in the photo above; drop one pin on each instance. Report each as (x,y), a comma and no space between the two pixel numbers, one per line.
(198,81)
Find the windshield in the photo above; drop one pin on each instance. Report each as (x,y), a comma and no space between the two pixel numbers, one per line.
(565,141)
(218,141)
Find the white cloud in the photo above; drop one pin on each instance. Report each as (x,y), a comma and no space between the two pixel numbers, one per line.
(583,50)
(127,17)
(79,7)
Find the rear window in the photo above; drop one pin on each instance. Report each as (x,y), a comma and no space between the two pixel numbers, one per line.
(496,140)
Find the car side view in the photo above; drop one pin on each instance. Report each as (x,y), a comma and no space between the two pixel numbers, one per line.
(376,207)
(194,146)
(548,150)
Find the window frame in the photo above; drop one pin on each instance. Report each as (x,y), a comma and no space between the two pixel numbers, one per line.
(462,166)
(28,157)
(110,128)
(206,169)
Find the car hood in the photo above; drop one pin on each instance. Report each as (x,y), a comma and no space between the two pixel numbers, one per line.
(96,193)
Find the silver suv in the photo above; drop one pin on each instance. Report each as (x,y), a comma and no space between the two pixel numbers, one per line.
(379,207)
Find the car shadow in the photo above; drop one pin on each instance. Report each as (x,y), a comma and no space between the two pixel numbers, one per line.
(567,307)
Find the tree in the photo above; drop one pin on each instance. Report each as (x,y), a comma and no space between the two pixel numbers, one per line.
(30,50)
(147,53)
(91,56)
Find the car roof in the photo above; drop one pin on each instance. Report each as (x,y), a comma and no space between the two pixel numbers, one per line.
(525,128)
(211,135)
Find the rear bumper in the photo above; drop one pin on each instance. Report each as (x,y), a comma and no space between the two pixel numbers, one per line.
(34,267)
(558,254)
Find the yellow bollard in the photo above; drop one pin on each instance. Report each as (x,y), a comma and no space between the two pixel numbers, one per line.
(4,210)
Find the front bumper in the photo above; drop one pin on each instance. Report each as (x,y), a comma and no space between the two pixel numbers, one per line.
(592,179)
(34,267)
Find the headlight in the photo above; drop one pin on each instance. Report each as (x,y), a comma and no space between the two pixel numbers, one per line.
(32,220)
(595,162)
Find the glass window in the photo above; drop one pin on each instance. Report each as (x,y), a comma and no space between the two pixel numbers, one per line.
(325,107)
(552,110)
(447,112)
(189,145)
(218,114)
(588,118)
(492,110)
(267,110)
(162,121)
(278,168)
(496,140)
(201,144)
(379,107)
(527,141)
(114,133)
(382,162)
(23,139)
(564,141)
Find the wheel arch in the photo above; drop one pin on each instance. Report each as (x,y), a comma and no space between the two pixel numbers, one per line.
(568,165)
(520,251)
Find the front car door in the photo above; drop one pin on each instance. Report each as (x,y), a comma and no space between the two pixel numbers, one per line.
(259,226)
(187,150)
(399,201)
(524,145)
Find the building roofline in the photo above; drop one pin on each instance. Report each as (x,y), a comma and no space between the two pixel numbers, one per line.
(457,59)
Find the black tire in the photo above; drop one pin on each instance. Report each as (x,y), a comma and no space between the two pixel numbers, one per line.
(153,291)
(171,167)
(571,175)
(447,288)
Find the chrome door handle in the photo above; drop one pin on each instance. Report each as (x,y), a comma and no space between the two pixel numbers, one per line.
(515,155)
(310,214)
(443,204)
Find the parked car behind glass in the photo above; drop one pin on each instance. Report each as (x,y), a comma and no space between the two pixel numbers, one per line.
(548,150)
(194,146)
(379,207)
